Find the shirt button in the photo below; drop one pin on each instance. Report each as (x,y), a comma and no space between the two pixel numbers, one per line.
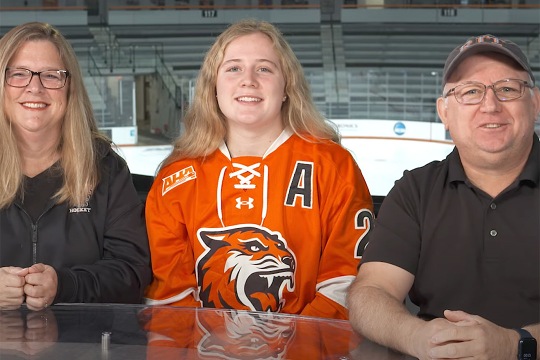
(493,233)
(493,206)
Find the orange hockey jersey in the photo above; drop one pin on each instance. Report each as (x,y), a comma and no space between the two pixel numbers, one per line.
(284,232)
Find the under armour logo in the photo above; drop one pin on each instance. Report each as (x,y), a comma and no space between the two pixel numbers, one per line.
(240,203)
(245,181)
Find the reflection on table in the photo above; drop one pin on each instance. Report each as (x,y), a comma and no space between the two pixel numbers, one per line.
(106,331)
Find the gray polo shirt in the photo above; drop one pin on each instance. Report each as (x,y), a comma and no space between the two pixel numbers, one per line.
(467,250)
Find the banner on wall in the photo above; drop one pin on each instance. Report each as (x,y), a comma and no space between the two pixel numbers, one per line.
(391,129)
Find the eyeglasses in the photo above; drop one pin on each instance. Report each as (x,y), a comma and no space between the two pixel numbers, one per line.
(472,93)
(50,79)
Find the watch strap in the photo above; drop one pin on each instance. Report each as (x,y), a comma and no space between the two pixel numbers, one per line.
(524,333)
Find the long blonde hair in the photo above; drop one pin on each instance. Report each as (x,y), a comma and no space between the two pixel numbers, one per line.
(205,124)
(78,155)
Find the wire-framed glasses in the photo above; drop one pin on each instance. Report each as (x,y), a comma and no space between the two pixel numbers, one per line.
(50,79)
(472,93)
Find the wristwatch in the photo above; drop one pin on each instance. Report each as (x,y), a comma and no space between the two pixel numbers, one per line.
(526,345)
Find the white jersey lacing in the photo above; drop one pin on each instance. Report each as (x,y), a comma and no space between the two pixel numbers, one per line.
(244,183)
(251,171)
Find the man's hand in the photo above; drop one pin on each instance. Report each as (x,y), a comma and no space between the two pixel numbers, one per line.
(473,337)
(41,286)
(12,287)
(421,338)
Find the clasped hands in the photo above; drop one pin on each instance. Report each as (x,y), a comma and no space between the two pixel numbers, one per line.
(37,285)
(461,335)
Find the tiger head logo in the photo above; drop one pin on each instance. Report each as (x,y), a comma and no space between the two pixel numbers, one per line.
(244,267)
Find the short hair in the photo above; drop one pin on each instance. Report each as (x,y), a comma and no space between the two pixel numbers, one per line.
(205,124)
(78,157)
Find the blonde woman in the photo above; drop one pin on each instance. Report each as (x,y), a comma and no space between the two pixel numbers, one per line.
(258,207)
(71,224)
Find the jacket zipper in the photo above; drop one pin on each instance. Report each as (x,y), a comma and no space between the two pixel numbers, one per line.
(34,243)
(35,228)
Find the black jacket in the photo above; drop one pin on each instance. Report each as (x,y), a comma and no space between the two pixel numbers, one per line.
(99,250)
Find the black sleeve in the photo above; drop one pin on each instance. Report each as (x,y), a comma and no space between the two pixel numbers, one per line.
(123,272)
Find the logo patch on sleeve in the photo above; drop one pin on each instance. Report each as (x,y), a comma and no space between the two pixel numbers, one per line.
(178,178)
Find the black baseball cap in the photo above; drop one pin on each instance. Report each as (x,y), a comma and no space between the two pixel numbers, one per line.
(485,43)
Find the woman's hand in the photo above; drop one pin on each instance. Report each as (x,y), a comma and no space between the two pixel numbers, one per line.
(12,281)
(41,286)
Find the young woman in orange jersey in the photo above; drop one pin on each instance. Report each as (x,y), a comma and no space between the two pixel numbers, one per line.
(258,207)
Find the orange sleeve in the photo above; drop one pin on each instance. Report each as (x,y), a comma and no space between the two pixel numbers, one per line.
(173,262)
(346,219)
(321,306)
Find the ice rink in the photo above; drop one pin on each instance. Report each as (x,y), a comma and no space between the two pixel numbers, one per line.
(382,160)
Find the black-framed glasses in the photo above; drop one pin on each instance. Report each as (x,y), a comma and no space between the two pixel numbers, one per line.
(50,79)
(472,93)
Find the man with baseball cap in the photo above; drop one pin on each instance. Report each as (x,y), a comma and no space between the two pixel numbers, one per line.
(462,236)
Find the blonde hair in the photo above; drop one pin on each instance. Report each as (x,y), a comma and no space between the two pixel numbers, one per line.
(78,140)
(205,124)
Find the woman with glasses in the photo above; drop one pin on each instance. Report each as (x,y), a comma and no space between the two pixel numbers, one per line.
(71,223)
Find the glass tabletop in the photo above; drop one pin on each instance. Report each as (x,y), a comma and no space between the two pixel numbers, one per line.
(107,331)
